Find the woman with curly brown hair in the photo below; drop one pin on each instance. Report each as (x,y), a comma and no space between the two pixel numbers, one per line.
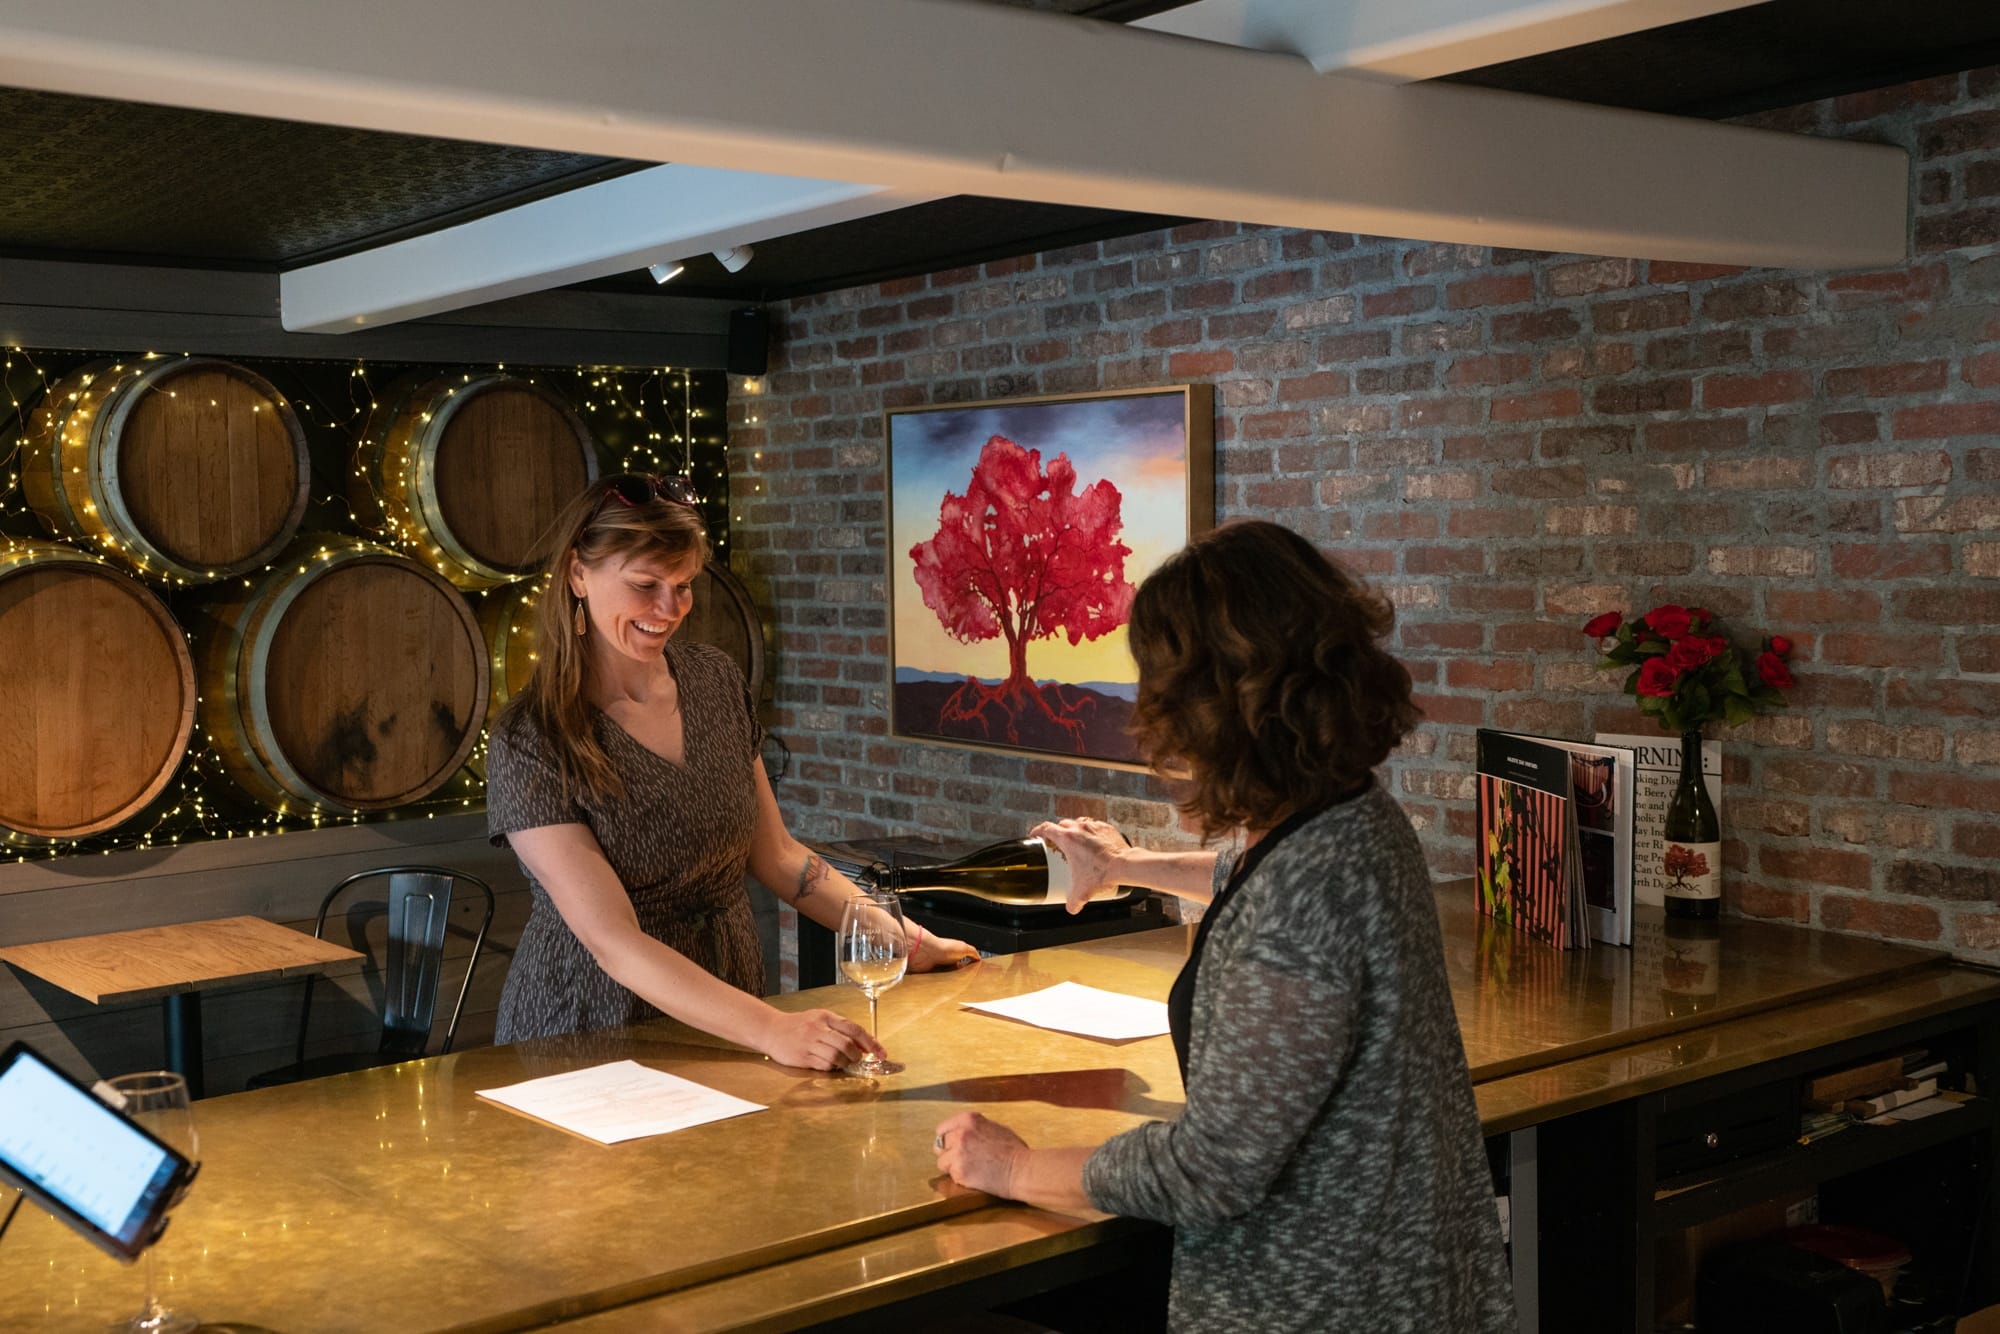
(626,778)
(1327,1172)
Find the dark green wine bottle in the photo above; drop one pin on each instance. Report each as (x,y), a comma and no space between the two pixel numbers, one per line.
(1020,872)
(1692,843)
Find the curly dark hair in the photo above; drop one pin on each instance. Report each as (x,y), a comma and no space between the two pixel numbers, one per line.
(1262,675)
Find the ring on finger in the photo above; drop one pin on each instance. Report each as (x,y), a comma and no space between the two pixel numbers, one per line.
(937,1141)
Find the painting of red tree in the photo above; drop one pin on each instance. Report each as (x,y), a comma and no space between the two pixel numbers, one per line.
(1023,555)
(1018,532)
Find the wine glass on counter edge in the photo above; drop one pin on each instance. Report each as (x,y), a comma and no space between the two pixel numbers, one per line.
(158,1101)
(874,952)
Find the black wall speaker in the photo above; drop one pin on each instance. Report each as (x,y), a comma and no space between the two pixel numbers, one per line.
(749,341)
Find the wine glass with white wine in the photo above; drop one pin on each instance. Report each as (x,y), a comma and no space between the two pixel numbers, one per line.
(874,952)
(158,1100)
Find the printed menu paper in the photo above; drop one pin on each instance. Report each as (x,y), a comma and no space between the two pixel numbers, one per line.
(1071,1007)
(619,1101)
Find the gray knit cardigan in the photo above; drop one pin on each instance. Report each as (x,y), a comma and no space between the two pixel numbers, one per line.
(1328,1172)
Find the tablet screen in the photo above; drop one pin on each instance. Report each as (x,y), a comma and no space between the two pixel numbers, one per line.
(79,1156)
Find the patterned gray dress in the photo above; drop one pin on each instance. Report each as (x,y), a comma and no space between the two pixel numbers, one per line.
(679,841)
(1327,1174)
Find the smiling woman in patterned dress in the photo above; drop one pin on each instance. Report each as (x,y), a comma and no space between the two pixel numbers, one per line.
(626,778)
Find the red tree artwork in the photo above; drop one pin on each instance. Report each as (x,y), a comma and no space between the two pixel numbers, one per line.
(1021,556)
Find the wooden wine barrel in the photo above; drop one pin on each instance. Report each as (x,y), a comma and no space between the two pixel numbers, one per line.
(349,678)
(96,692)
(507,622)
(182,469)
(724,616)
(466,473)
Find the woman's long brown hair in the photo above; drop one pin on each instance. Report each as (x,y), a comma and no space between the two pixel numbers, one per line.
(594,528)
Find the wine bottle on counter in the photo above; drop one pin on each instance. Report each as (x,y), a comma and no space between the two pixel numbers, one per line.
(1692,841)
(1020,872)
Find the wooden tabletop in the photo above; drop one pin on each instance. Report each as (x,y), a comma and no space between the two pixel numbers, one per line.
(158,961)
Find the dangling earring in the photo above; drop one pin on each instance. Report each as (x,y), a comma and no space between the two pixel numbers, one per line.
(582,625)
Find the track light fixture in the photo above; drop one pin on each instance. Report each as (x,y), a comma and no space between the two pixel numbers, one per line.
(730,257)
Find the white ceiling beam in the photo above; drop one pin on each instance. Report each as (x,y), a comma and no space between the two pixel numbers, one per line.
(659,214)
(942,98)
(1402,41)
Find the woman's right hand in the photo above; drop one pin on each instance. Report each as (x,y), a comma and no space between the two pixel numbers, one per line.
(816,1040)
(1092,848)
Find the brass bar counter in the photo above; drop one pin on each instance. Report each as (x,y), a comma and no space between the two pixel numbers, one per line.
(396,1199)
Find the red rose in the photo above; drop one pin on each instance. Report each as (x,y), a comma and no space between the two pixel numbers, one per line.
(1700,614)
(1772,668)
(1657,678)
(1692,652)
(1670,621)
(1607,624)
(1780,645)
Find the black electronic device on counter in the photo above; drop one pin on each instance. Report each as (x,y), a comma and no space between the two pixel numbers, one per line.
(107,1177)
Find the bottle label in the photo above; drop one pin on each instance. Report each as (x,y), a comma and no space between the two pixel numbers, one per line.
(1693,870)
(1058,873)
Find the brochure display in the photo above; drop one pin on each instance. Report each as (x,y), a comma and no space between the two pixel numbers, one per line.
(1555,838)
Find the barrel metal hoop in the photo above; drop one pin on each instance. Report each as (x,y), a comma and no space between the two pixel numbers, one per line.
(68,522)
(428,436)
(107,430)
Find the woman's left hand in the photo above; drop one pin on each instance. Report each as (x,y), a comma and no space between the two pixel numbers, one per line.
(933,952)
(979,1153)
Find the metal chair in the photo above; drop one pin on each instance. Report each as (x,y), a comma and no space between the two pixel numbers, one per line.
(418,909)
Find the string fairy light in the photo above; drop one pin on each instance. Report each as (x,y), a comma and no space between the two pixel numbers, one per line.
(643,419)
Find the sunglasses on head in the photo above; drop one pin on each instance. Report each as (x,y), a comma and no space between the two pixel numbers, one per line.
(636,488)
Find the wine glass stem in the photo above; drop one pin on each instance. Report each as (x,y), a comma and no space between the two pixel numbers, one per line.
(151,1313)
(874,1030)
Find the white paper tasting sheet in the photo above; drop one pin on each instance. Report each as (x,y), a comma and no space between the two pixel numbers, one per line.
(1071,1007)
(619,1101)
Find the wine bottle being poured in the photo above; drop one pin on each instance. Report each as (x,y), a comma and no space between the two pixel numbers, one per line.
(1021,872)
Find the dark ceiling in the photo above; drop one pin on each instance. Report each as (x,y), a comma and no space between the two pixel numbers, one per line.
(86,178)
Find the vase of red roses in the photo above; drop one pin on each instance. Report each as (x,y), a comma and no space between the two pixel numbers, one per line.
(1686,673)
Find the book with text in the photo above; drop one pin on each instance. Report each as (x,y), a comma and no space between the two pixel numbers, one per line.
(1529,867)
(1595,817)
(1658,764)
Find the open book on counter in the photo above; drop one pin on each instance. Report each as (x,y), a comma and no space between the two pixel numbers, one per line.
(1554,856)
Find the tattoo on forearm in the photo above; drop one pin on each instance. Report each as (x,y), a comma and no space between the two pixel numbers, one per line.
(810,875)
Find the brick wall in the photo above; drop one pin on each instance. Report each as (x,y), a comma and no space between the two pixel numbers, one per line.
(1508,443)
